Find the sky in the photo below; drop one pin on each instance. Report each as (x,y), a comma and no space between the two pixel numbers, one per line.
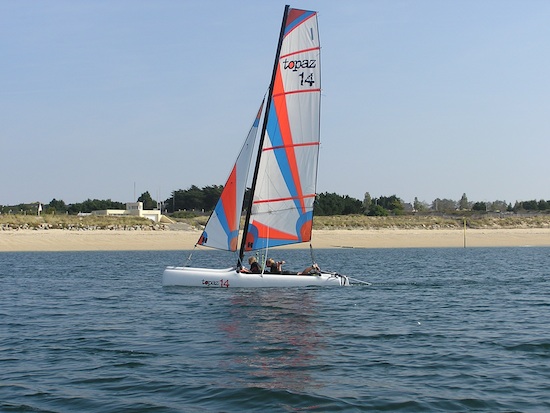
(430,99)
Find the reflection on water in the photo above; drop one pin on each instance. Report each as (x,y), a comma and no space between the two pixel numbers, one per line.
(272,337)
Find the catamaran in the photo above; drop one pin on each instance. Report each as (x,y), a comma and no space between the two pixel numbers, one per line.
(283,187)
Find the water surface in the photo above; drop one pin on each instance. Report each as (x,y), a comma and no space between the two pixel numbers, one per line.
(438,330)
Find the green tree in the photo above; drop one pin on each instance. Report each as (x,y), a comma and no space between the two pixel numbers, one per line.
(211,194)
(352,206)
(194,198)
(377,211)
(463,204)
(56,207)
(148,202)
(328,204)
(188,199)
(543,205)
(479,206)
(391,203)
(419,206)
(334,204)
(444,205)
(499,206)
(95,205)
(532,205)
(367,200)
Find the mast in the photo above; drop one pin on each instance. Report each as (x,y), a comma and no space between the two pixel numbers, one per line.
(262,137)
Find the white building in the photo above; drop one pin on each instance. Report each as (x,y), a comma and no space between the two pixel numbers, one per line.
(133,209)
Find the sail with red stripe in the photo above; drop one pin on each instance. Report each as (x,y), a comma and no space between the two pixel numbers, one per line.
(284,192)
(222,229)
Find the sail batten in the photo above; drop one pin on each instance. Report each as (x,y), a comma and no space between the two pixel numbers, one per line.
(300,51)
(296,91)
(294,145)
(273,200)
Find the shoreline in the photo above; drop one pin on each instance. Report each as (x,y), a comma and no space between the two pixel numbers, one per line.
(120,240)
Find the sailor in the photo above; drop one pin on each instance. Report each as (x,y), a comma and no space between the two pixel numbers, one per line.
(275,267)
(254,266)
(314,269)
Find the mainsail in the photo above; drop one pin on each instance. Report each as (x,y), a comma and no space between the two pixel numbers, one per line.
(222,229)
(285,180)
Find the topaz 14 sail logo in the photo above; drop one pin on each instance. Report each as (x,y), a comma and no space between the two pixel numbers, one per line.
(299,65)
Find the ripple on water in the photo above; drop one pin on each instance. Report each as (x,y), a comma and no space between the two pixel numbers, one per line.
(438,330)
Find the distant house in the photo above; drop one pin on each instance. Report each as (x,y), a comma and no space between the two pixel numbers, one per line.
(132,209)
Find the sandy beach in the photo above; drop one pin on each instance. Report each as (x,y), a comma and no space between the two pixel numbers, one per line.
(109,240)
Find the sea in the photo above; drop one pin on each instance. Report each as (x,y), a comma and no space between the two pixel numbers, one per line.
(438,330)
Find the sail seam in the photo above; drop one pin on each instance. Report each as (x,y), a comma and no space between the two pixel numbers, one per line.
(300,51)
(296,91)
(272,148)
(290,198)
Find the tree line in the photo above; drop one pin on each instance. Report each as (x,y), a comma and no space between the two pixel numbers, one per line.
(203,200)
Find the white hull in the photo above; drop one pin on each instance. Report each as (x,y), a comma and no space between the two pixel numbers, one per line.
(230,278)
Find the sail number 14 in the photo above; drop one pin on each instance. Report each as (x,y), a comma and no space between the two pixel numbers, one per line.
(309,79)
(301,64)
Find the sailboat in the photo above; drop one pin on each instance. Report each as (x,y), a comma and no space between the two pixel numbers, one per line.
(283,188)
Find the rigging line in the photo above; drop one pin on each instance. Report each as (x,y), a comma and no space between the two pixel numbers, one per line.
(190,255)
(311,252)
(239,262)
(355,280)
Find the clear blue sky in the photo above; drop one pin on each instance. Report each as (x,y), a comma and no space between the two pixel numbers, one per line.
(421,99)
